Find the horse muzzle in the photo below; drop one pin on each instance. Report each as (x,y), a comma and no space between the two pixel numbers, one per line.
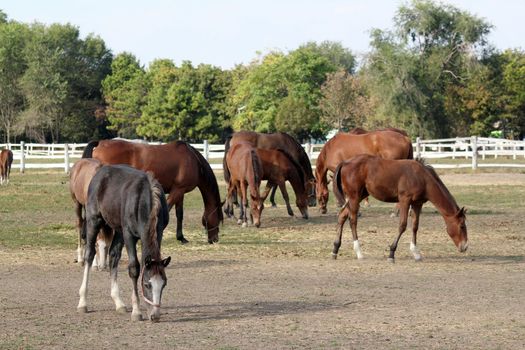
(463,246)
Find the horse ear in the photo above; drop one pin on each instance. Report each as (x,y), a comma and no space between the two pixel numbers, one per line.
(147,261)
(166,261)
(461,212)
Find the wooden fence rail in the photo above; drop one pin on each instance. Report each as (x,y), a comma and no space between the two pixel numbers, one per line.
(472,149)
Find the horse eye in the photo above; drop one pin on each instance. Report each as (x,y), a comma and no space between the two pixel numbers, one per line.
(147,285)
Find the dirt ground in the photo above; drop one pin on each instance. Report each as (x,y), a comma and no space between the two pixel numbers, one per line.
(219,297)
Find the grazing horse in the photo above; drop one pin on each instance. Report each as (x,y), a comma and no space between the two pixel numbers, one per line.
(278,140)
(279,167)
(386,144)
(409,182)
(6,159)
(246,170)
(177,166)
(133,204)
(79,179)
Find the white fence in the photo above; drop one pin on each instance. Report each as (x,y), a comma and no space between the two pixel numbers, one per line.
(471,149)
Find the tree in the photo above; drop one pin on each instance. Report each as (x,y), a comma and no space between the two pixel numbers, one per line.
(514,84)
(13,39)
(124,91)
(345,101)
(433,48)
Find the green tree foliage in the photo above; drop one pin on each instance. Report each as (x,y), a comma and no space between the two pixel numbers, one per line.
(13,39)
(345,101)
(514,85)
(433,49)
(124,91)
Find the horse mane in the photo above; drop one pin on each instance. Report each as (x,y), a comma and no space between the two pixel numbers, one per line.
(430,169)
(88,151)
(156,192)
(297,166)
(303,157)
(255,165)
(208,174)
(224,165)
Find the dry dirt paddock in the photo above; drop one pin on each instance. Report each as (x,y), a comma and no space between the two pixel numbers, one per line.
(278,288)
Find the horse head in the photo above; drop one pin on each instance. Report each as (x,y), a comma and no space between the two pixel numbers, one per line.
(152,282)
(257,206)
(310,190)
(457,229)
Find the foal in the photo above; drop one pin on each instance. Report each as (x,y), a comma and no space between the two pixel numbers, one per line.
(408,182)
(133,204)
(6,159)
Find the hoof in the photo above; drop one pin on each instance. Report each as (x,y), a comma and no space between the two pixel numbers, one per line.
(122,310)
(239,221)
(183,240)
(82,310)
(334,256)
(360,257)
(391,260)
(244,224)
(136,317)
(418,259)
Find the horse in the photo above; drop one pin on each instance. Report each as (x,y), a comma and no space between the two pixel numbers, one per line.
(278,140)
(279,167)
(79,179)
(245,170)
(177,166)
(6,160)
(133,204)
(386,144)
(411,183)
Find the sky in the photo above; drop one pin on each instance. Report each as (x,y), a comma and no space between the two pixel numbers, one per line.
(228,32)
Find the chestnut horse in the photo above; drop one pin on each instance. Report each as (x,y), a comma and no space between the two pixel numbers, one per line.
(177,166)
(133,204)
(279,167)
(408,182)
(79,179)
(277,140)
(386,144)
(6,159)
(245,170)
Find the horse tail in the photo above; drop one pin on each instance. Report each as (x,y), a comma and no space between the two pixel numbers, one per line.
(297,166)
(156,192)
(255,165)
(224,165)
(88,151)
(208,177)
(338,186)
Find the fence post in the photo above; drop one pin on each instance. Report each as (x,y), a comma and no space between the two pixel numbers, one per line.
(206,150)
(66,158)
(474,145)
(22,157)
(308,147)
(418,147)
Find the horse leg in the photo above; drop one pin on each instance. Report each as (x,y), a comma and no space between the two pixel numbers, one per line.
(395,211)
(272,196)
(81,241)
(403,216)
(341,219)
(92,227)
(416,211)
(177,197)
(115,252)
(244,204)
(134,272)
(282,187)
(354,214)
(104,239)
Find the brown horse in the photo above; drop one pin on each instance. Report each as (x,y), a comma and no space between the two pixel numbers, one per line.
(6,159)
(278,140)
(245,170)
(79,179)
(279,167)
(409,182)
(177,166)
(386,144)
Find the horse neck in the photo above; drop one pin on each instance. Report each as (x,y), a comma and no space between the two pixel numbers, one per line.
(254,179)
(320,167)
(297,181)
(439,195)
